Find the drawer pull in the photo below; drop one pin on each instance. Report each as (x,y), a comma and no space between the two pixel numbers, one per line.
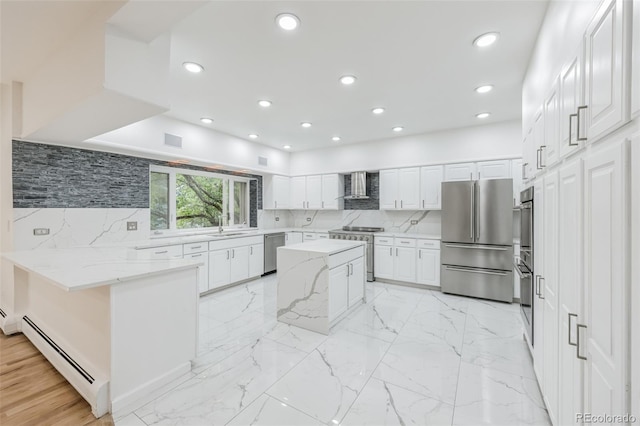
(196,255)
(162,252)
(476,271)
(462,246)
(196,247)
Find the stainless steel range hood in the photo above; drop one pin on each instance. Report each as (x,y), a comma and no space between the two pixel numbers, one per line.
(358,186)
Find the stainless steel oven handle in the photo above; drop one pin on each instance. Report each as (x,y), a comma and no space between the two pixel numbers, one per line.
(522,275)
(462,246)
(476,271)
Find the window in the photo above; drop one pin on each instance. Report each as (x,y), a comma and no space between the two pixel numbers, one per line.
(187,199)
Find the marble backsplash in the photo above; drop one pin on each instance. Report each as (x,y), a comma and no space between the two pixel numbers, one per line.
(77,227)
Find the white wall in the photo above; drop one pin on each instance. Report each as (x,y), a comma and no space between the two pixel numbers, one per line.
(201,146)
(490,141)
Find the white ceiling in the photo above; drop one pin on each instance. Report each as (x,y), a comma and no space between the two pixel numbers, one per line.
(415,58)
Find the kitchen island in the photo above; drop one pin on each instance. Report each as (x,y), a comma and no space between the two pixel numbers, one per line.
(319,282)
(116,323)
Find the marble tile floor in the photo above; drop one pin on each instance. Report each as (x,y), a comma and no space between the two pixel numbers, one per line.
(407,357)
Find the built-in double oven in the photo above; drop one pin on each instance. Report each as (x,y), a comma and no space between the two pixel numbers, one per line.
(524,265)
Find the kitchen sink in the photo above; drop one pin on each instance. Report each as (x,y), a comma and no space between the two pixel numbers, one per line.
(227,235)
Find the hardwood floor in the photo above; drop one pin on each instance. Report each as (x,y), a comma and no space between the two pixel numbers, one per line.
(32,392)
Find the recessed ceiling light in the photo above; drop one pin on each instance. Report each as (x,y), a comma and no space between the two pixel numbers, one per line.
(287,147)
(483,115)
(348,79)
(486,39)
(378,110)
(264,103)
(398,129)
(253,136)
(287,21)
(206,120)
(335,138)
(305,124)
(193,67)
(484,89)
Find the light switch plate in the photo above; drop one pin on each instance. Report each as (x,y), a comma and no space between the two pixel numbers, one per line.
(277,218)
(414,222)
(132,226)
(308,219)
(41,231)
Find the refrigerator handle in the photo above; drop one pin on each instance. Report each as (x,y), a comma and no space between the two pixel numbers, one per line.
(476,198)
(472,215)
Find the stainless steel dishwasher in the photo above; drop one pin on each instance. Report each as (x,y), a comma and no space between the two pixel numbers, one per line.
(271,244)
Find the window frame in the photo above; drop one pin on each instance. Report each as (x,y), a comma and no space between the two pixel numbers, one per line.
(173,171)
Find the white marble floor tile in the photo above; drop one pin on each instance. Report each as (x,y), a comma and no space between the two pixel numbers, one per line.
(436,301)
(504,354)
(430,369)
(130,420)
(329,379)
(219,393)
(381,403)
(444,326)
(487,396)
(381,318)
(296,337)
(507,325)
(396,293)
(267,411)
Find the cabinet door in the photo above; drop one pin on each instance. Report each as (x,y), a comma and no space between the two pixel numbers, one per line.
(605,281)
(538,270)
(314,192)
(256,260)
(516,173)
(309,236)
(461,171)
(292,238)
(549,290)
(604,69)
(538,142)
(500,169)
(389,189)
(239,263)
(409,188)
(219,268)
(383,261)
(431,187)
(428,267)
(280,192)
(549,154)
(338,291)
(298,192)
(571,91)
(203,270)
(356,281)
(331,191)
(404,265)
(529,155)
(569,292)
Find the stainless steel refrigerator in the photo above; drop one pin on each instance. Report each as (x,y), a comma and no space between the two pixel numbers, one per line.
(477,239)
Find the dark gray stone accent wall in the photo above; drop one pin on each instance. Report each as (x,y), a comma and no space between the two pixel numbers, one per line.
(373,191)
(50,176)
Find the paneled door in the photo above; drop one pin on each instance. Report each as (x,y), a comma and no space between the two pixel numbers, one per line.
(538,270)
(570,100)
(549,154)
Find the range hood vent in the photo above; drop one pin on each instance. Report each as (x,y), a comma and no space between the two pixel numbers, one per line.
(358,186)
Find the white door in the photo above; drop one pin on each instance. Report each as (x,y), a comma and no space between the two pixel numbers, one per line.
(298,192)
(570,100)
(431,187)
(461,171)
(538,270)
(331,192)
(549,289)
(203,270)
(356,281)
(314,192)
(428,267)
(516,175)
(281,192)
(549,155)
(500,169)
(219,268)
(383,261)
(409,188)
(604,89)
(256,260)
(389,189)
(538,141)
(338,290)
(606,285)
(404,265)
(239,263)
(569,292)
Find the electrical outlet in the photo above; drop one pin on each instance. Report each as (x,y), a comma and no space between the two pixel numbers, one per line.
(41,231)
(132,226)
(308,219)
(414,222)
(277,218)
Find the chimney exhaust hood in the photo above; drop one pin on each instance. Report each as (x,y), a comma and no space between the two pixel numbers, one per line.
(358,186)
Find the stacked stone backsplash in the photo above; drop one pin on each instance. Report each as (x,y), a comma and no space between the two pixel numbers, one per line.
(87,197)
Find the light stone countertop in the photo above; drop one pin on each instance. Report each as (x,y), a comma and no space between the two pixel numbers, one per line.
(80,268)
(408,235)
(324,247)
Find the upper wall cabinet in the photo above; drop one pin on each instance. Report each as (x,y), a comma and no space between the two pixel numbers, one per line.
(635,61)
(571,97)
(549,151)
(431,187)
(317,192)
(528,156)
(498,169)
(460,171)
(538,142)
(516,175)
(400,189)
(606,100)
(276,192)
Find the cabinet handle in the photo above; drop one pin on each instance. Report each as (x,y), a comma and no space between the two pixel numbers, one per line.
(351,267)
(541,281)
(400,203)
(419,254)
(162,252)
(542,148)
(578,138)
(537,286)
(571,117)
(395,204)
(569,327)
(323,204)
(423,204)
(538,152)
(396,252)
(275,204)
(233,253)
(196,247)
(390,251)
(196,255)
(524,166)
(227,254)
(347,265)
(578,342)
(251,250)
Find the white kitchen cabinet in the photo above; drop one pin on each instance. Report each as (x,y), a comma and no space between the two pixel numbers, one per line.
(276,192)
(388,189)
(292,238)
(460,171)
(203,270)
(256,260)
(498,169)
(219,268)
(604,330)
(549,154)
(528,155)
(298,192)
(239,265)
(538,142)
(571,97)
(538,269)
(332,192)
(431,187)
(338,291)
(516,175)
(605,98)
(314,192)
(383,261)
(317,192)
(356,280)
(309,236)
(428,266)
(404,265)
(164,252)
(400,189)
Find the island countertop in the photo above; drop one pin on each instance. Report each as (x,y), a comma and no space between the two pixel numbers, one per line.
(81,268)
(324,247)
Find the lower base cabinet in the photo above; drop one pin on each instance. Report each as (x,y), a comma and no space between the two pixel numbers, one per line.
(346,287)
(428,267)
(219,268)
(256,260)
(203,271)
(410,260)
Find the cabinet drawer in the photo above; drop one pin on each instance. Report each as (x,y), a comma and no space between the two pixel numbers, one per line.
(195,247)
(405,242)
(164,252)
(324,236)
(383,241)
(235,242)
(345,256)
(428,244)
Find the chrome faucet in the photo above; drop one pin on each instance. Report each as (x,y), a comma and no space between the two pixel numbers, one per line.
(220,228)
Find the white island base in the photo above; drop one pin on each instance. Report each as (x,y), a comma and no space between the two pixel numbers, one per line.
(319,282)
